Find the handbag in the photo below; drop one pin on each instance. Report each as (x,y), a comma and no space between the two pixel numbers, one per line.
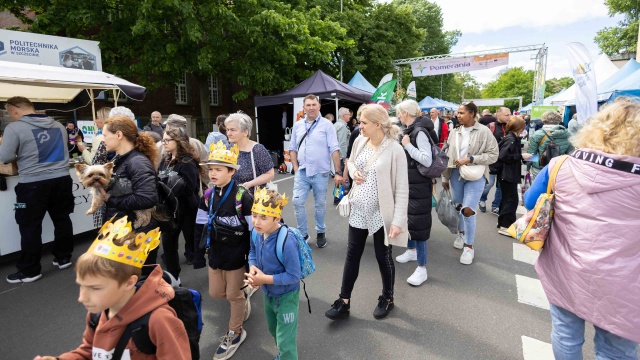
(533,228)
(344,207)
(471,172)
(270,185)
(439,160)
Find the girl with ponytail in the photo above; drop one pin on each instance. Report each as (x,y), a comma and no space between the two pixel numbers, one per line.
(134,187)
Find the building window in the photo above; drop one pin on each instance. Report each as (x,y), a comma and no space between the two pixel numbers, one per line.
(214,91)
(181,90)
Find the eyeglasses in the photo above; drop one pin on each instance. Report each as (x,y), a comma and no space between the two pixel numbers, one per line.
(166,141)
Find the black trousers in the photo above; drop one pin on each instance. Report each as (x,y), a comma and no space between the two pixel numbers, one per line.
(509,203)
(355,248)
(170,241)
(33,201)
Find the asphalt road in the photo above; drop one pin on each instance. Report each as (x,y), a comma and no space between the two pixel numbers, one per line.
(460,312)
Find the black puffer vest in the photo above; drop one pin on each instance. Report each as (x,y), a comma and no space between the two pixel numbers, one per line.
(420,187)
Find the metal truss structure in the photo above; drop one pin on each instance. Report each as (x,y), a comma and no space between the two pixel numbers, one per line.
(540,67)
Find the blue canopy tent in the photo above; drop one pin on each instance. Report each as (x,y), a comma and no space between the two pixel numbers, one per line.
(429,103)
(359,82)
(620,76)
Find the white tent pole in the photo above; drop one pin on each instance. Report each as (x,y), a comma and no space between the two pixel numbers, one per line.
(93,105)
(115,97)
(257,127)
(336,117)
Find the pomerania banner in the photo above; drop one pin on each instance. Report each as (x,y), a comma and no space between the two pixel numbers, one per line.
(467,63)
(38,49)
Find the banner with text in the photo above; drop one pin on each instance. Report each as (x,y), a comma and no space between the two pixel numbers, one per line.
(88,129)
(537,111)
(30,48)
(486,102)
(455,65)
(585,78)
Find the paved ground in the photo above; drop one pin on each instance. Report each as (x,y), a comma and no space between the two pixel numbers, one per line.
(492,309)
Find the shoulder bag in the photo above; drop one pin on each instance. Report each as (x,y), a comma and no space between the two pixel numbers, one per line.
(470,172)
(439,160)
(533,228)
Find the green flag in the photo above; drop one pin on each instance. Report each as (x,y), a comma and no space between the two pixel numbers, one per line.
(384,94)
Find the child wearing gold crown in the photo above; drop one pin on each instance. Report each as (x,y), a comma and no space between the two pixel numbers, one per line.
(280,280)
(223,225)
(107,275)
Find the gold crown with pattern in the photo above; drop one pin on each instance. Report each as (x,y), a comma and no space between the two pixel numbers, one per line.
(116,241)
(218,153)
(261,200)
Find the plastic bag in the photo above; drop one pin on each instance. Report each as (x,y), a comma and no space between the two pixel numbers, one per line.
(446,210)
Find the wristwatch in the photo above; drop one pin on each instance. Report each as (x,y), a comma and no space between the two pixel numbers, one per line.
(471,159)
(338,173)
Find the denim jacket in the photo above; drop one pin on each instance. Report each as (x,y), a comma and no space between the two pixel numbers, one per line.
(263,255)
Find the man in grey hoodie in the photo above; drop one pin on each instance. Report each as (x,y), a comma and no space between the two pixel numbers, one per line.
(38,143)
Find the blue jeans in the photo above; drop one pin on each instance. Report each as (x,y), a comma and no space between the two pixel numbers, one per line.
(498,196)
(421,248)
(567,337)
(466,193)
(302,186)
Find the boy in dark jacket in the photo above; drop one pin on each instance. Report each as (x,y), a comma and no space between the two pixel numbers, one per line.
(223,223)
(280,280)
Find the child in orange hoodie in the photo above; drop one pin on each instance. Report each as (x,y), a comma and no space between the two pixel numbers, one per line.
(107,275)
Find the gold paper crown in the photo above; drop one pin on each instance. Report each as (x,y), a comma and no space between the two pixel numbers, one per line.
(260,203)
(219,152)
(117,242)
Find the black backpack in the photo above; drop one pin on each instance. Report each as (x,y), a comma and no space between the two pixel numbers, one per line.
(167,208)
(550,151)
(187,303)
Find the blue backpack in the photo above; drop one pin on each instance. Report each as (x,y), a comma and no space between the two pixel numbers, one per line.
(307,267)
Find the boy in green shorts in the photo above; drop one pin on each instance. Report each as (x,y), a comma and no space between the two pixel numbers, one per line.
(280,280)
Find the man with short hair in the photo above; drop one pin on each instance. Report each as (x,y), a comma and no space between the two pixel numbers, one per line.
(313,144)
(441,127)
(38,143)
(499,131)
(487,118)
(155,125)
(342,133)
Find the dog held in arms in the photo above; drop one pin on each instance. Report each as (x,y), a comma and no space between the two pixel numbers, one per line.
(98,177)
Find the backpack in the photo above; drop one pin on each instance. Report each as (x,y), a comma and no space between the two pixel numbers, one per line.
(550,151)
(167,208)
(307,267)
(203,244)
(187,303)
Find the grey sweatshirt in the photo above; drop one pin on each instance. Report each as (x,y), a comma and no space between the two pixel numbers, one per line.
(39,143)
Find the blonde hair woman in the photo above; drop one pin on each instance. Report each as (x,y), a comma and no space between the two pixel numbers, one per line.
(98,153)
(379,203)
(589,267)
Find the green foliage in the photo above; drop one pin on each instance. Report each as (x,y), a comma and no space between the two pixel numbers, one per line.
(463,86)
(511,83)
(624,36)
(554,85)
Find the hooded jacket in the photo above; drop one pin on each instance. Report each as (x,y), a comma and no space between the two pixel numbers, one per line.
(590,262)
(166,331)
(558,133)
(40,144)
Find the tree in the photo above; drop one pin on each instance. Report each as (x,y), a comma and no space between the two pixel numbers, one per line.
(264,46)
(624,36)
(554,86)
(511,83)
(463,86)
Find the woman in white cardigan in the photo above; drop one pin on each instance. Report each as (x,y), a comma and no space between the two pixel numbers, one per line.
(379,203)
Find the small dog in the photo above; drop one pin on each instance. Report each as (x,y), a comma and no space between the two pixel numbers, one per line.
(98,177)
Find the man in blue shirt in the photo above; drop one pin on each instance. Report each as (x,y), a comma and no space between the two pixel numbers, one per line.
(313,144)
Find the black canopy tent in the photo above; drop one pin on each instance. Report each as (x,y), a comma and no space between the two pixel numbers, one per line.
(319,84)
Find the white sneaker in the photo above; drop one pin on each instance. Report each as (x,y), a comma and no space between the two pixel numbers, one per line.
(459,243)
(467,256)
(504,231)
(409,255)
(418,277)
(229,344)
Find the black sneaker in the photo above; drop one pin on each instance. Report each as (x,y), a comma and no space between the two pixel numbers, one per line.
(339,310)
(384,307)
(62,263)
(19,277)
(306,238)
(321,240)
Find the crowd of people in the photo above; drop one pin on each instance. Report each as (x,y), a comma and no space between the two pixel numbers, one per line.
(232,221)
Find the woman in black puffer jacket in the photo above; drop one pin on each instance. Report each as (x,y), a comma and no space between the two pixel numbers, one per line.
(135,185)
(417,147)
(509,168)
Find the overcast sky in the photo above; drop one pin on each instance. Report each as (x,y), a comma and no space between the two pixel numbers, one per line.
(493,24)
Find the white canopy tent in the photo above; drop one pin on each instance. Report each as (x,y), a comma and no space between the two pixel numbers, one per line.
(50,84)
